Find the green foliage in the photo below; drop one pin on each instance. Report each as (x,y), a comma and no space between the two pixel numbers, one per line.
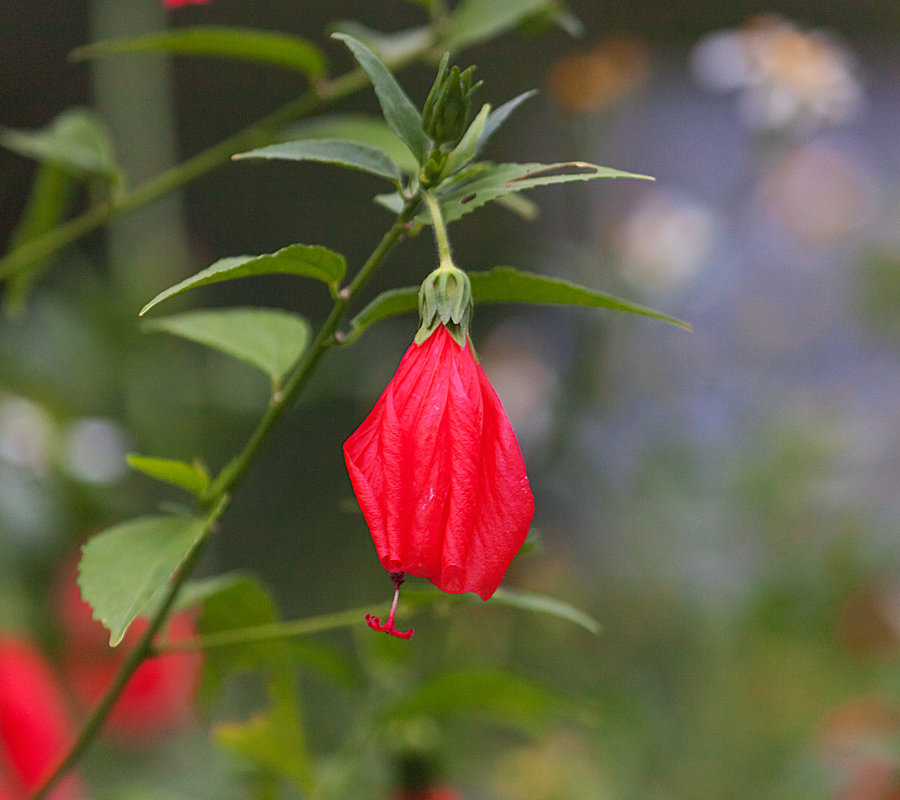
(399,112)
(498,694)
(364,130)
(306,261)
(192,477)
(46,205)
(124,570)
(505,285)
(274,739)
(267,338)
(510,285)
(334,151)
(474,21)
(76,141)
(465,151)
(264,47)
(482,182)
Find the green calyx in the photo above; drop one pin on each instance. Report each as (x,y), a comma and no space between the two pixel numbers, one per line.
(445,298)
(446,109)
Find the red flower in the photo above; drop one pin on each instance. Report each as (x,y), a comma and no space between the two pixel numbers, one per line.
(438,472)
(179,3)
(35,728)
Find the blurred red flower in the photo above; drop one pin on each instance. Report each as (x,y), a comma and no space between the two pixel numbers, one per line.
(438,472)
(179,3)
(35,726)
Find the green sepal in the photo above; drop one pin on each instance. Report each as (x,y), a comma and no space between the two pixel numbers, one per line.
(445,298)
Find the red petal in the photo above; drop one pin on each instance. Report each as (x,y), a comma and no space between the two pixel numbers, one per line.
(438,472)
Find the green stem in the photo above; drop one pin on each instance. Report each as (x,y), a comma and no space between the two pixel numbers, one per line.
(135,657)
(229,478)
(221,490)
(440,230)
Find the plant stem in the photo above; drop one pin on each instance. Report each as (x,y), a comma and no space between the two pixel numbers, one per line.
(135,657)
(325,338)
(221,490)
(440,230)
(260,133)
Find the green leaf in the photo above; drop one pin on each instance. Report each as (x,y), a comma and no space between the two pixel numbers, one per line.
(475,21)
(47,202)
(269,339)
(465,151)
(399,46)
(124,568)
(307,261)
(371,131)
(505,285)
(387,304)
(399,112)
(495,693)
(482,183)
(273,739)
(334,151)
(192,477)
(266,47)
(509,285)
(77,141)
(541,604)
(242,603)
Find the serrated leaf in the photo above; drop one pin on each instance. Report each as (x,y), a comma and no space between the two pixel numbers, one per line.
(333,151)
(475,21)
(77,141)
(399,112)
(266,47)
(496,693)
(306,261)
(465,151)
(482,183)
(359,128)
(509,285)
(506,285)
(267,338)
(192,477)
(125,567)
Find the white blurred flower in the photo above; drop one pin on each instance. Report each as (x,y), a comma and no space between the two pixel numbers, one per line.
(526,383)
(94,450)
(788,78)
(26,434)
(664,240)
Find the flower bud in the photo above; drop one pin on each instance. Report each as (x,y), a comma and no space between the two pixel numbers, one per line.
(445,298)
(446,109)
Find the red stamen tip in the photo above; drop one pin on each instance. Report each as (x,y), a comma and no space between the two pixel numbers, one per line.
(388,627)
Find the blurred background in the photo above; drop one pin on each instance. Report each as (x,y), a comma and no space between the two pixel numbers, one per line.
(725,502)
